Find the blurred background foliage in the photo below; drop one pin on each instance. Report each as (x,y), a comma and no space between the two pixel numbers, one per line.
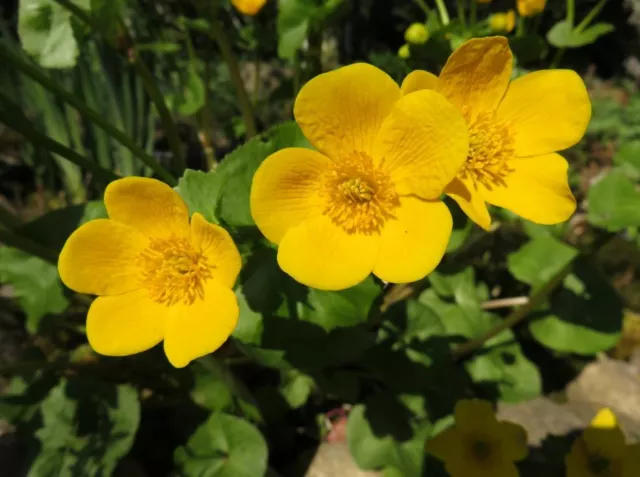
(197,94)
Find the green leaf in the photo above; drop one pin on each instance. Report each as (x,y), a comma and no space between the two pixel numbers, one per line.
(344,308)
(209,390)
(294,17)
(159,47)
(223,195)
(46,32)
(190,97)
(584,317)
(224,446)
(614,202)
(35,284)
(87,427)
(386,431)
(539,260)
(628,158)
(563,35)
(296,387)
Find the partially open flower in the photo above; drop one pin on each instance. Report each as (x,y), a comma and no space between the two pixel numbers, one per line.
(529,8)
(417,34)
(503,22)
(249,7)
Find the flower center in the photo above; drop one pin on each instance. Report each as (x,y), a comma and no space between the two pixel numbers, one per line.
(359,196)
(481,450)
(173,271)
(491,147)
(599,465)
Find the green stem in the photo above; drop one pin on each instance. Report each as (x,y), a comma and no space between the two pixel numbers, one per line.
(8,219)
(206,123)
(591,15)
(44,80)
(473,9)
(571,12)
(423,6)
(442,10)
(461,17)
(557,58)
(22,125)
(148,80)
(219,35)
(12,239)
(522,27)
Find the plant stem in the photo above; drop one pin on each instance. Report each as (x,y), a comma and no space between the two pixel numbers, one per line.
(219,35)
(461,17)
(522,27)
(591,15)
(473,13)
(148,80)
(40,77)
(442,10)
(518,315)
(557,58)
(571,12)
(12,239)
(22,125)
(206,124)
(423,6)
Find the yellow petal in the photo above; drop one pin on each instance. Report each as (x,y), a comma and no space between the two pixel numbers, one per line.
(248,7)
(148,205)
(100,258)
(504,469)
(605,419)
(513,441)
(412,244)
(322,255)
(537,190)
(549,111)
(125,324)
(342,111)
(577,460)
(423,143)
(201,328)
(474,415)
(477,74)
(418,80)
(631,462)
(608,443)
(217,245)
(285,190)
(447,446)
(470,201)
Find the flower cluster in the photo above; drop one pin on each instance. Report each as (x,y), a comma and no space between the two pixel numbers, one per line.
(367,200)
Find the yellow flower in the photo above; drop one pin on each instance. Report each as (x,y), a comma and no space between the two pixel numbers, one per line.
(404,51)
(417,34)
(479,445)
(602,451)
(158,277)
(248,7)
(503,22)
(529,8)
(368,200)
(515,130)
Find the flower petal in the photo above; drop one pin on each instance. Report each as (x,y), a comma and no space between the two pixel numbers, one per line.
(201,328)
(285,190)
(418,80)
(477,74)
(631,462)
(217,245)
(341,111)
(100,258)
(475,415)
(577,460)
(125,324)
(148,205)
(447,446)
(412,244)
(322,255)
(470,201)
(504,469)
(513,441)
(549,111)
(537,190)
(423,143)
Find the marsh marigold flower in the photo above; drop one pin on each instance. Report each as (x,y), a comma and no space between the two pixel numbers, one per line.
(158,276)
(602,451)
(503,22)
(368,200)
(515,129)
(249,7)
(479,445)
(417,34)
(529,8)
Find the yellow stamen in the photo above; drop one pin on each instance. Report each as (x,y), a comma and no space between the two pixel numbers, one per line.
(360,197)
(173,271)
(491,147)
